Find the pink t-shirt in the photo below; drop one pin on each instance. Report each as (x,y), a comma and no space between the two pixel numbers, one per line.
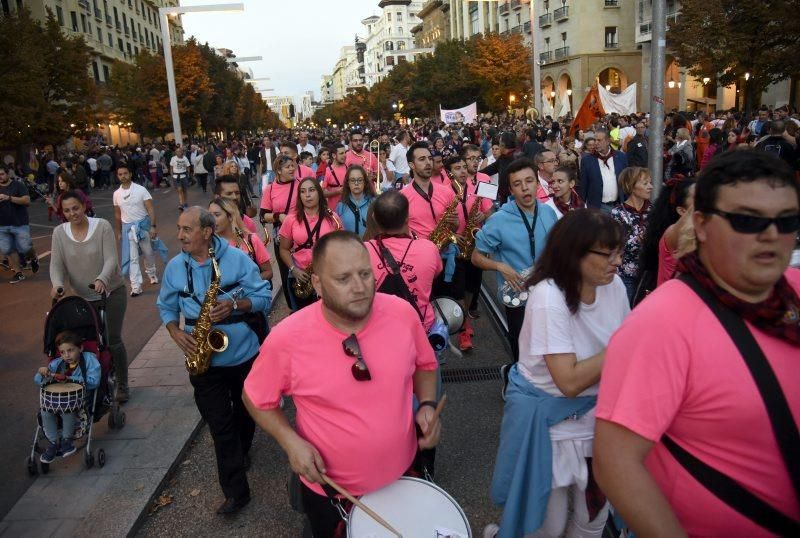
(667,263)
(419,263)
(441,179)
(364,430)
(334,177)
(303,172)
(485,205)
(365,159)
(420,219)
(260,251)
(294,230)
(671,368)
(249,224)
(280,197)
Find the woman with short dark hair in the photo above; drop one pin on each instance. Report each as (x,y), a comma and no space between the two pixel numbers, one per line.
(576,302)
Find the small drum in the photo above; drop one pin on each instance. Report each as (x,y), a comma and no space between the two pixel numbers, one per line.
(416,508)
(60,398)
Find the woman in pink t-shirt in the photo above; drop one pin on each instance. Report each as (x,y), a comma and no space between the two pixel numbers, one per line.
(302,228)
(231,228)
(656,262)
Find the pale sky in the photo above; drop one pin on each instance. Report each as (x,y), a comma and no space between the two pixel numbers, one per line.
(300,40)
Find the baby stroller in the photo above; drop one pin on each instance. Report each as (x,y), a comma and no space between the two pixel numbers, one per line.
(79,316)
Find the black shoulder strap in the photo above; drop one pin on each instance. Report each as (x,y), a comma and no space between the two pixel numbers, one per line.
(783,426)
(394,268)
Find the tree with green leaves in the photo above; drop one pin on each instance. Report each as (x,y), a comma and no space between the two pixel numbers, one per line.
(46,93)
(728,38)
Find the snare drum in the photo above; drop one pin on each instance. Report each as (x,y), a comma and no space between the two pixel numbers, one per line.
(414,507)
(61,398)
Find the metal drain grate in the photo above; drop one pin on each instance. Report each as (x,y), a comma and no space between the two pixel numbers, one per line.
(470,375)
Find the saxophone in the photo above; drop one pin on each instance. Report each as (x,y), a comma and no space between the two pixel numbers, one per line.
(207,339)
(304,290)
(467,243)
(240,234)
(442,234)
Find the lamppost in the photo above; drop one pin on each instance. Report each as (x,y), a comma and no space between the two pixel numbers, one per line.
(164,13)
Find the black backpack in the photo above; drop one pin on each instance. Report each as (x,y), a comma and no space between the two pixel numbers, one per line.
(394,284)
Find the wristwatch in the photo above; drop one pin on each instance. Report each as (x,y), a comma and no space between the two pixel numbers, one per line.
(429,403)
(235,305)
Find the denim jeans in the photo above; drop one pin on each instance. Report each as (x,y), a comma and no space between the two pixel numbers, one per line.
(15,239)
(69,422)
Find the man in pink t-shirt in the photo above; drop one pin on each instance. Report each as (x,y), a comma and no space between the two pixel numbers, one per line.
(358,155)
(674,382)
(352,392)
(418,259)
(335,175)
(426,200)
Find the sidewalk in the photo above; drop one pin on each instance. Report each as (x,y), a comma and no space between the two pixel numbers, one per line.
(161,419)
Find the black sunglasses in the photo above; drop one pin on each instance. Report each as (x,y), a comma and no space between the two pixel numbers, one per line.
(751,224)
(352,349)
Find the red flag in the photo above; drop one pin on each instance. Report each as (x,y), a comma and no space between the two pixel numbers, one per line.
(591,110)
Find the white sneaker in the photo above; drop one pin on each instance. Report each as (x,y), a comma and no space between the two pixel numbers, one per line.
(135,292)
(153,279)
(491,530)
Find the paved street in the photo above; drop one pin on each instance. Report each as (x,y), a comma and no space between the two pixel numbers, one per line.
(464,461)
(24,308)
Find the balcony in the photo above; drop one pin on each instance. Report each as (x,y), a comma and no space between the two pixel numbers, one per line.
(84,4)
(611,45)
(545,56)
(98,15)
(561,14)
(545,20)
(515,4)
(516,30)
(108,21)
(611,3)
(503,8)
(646,29)
(562,52)
(118,25)
(526,28)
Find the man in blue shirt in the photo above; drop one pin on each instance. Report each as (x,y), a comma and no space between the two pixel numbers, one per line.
(217,391)
(512,239)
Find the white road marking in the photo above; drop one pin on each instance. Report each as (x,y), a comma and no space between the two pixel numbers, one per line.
(42,225)
(44,254)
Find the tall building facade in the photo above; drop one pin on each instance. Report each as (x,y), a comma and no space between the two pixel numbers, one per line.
(434,24)
(113,29)
(389,40)
(472,18)
(583,41)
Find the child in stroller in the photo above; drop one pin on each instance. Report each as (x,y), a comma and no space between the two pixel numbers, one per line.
(74,366)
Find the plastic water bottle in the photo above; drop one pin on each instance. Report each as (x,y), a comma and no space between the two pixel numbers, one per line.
(513,298)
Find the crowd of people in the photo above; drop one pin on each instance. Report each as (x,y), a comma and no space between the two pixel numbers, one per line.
(627,310)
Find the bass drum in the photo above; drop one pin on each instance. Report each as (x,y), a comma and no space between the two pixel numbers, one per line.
(414,507)
(450,312)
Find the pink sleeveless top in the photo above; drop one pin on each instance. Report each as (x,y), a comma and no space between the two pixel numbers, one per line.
(666,263)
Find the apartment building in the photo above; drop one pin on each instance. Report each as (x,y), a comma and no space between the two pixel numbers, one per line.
(113,29)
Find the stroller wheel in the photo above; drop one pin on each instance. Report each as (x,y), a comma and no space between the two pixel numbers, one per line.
(45,468)
(101,457)
(88,459)
(33,470)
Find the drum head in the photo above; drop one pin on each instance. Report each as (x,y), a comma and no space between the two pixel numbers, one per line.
(412,506)
(68,386)
(449,311)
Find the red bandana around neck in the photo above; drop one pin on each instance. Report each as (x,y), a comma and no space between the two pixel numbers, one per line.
(575,202)
(778,315)
(606,158)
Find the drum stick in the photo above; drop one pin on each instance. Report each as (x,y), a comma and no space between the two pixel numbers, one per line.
(361,505)
(436,413)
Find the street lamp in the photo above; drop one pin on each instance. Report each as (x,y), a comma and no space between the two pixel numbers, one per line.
(706,80)
(234,60)
(164,14)
(394,106)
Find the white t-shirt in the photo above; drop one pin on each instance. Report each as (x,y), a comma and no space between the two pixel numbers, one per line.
(550,328)
(179,165)
(131,202)
(398,158)
(92,164)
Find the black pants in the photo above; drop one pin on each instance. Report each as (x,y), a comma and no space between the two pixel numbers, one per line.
(218,395)
(283,269)
(473,279)
(454,288)
(202,179)
(514,318)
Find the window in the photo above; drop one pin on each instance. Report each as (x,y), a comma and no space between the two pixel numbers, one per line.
(83,22)
(74,17)
(136,50)
(389,45)
(390,60)
(110,40)
(611,37)
(95,72)
(60,15)
(99,35)
(105,73)
(546,6)
(399,30)
(546,43)
(564,38)
(401,59)
(473,20)
(130,50)
(119,44)
(388,17)
(401,45)
(399,17)
(519,19)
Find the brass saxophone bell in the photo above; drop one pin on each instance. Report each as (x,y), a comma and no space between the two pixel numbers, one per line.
(217,340)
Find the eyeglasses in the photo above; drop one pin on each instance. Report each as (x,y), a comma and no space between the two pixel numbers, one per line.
(752,224)
(608,255)
(356,181)
(352,349)
(548,161)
